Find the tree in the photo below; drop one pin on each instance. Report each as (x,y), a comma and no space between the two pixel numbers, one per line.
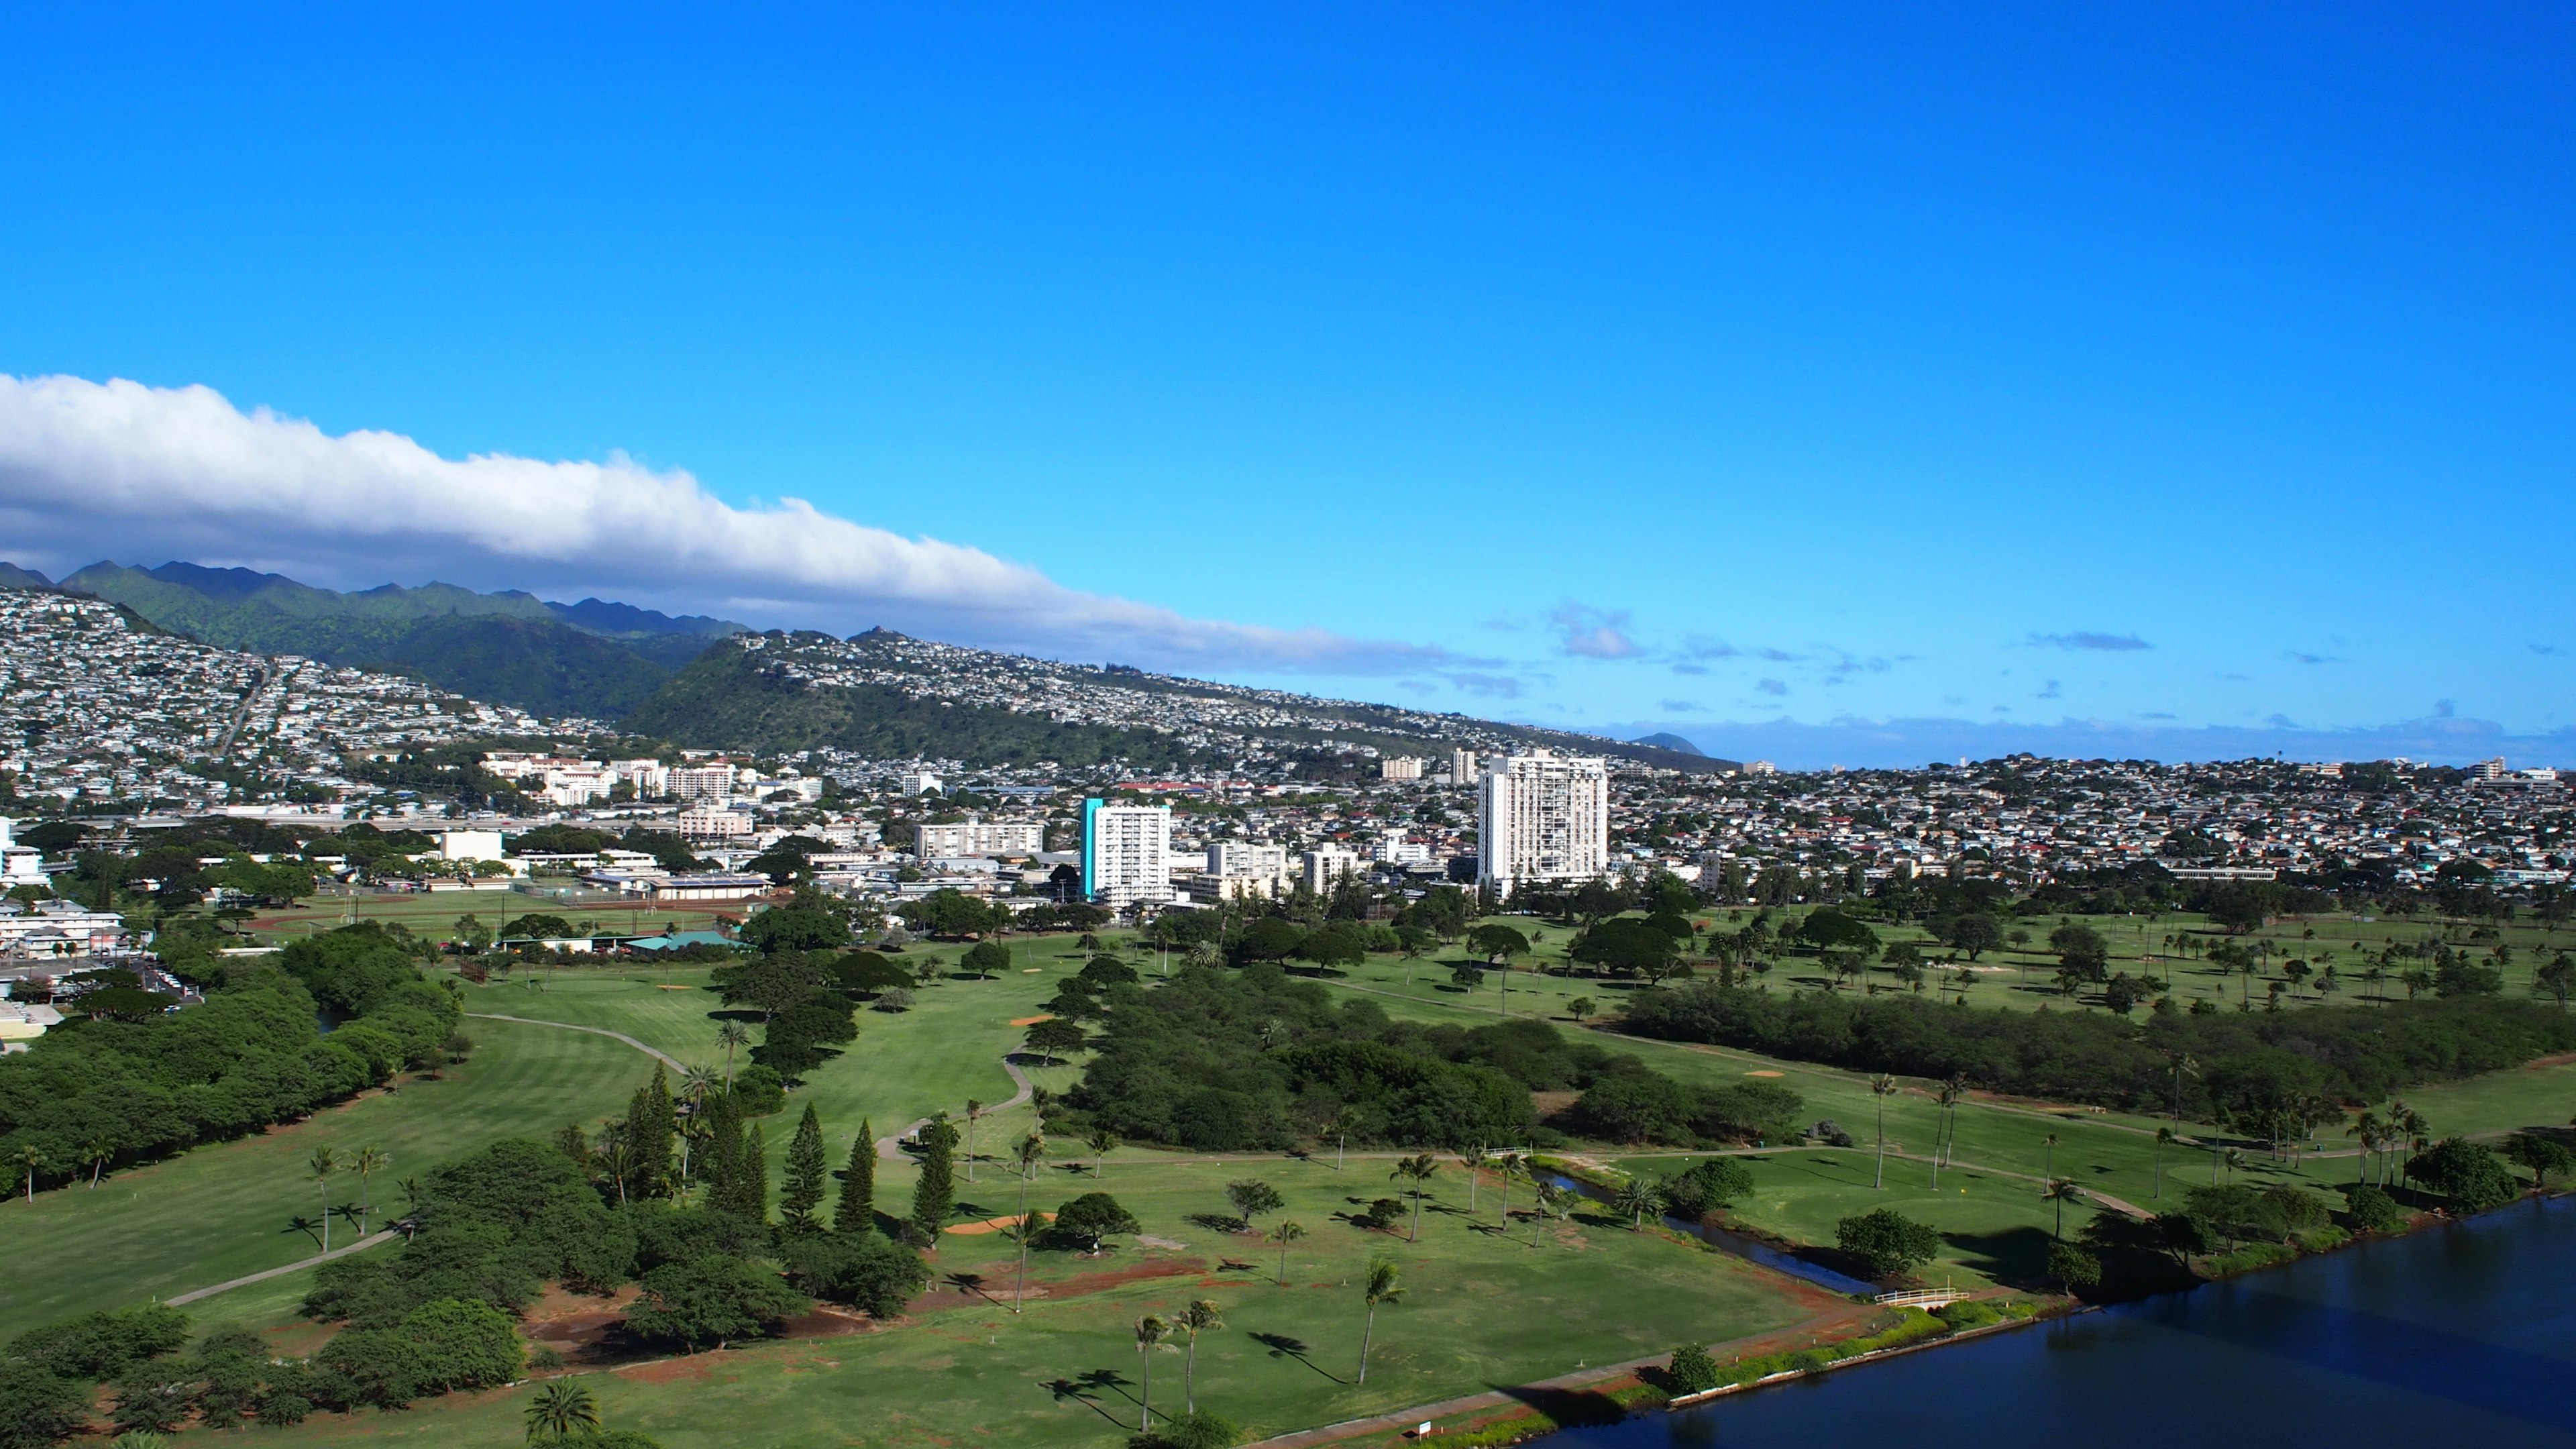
(1151,1331)
(934,1194)
(856,1212)
(1200,1317)
(1692,1371)
(651,1126)
(2163,1136)
(1418,1168)
(2062,1191)
(2539,1154)
(1023,1231)
(563,1409)
(1253,1199)
(2469,1173)
(369,1162)
(321,1165)
(731,1035)
(974,1114)
(2073,1267)
(1102,1142)
(1638,1196)
(1886,1242)
(1975,933)
(803,1193)
(1031,1151)
(1579,1008)
(1092,1218)
(863,1270)
(1384,1286)
(1345,1122)
(1056,1038)
(1283,1234)
(39,1408)
(986,959)
(1496,942)
(1882,1087)
(2082,950)
(712,1299)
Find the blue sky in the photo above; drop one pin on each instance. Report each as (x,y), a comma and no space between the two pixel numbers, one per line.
(1855,385)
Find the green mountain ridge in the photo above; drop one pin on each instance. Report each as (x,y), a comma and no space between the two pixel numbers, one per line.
(679,680)
(593,659)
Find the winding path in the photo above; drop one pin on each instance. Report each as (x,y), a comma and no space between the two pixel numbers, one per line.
(888,1151)
(665,1058)
(360,1246)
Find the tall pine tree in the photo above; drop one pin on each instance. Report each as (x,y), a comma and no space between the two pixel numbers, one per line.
(856,1212)
(803,1194)
(650,1127)
(751,1182)
(936,1193)
(720,1161)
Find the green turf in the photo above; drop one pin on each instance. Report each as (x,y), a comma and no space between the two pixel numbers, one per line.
(1482,1310)
(221,1211)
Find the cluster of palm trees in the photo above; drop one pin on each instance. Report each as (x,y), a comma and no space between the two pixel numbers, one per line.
(327,1163)
(1554,1202)
(2403,1129)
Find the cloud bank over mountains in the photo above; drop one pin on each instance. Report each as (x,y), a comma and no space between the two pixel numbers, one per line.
(149,473)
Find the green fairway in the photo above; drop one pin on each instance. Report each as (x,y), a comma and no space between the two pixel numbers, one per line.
(1482,1309)
(221,1211)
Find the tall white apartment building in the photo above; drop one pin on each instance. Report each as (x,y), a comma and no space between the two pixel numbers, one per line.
(700,782)
(1462,767)
(978,836)
(1126,854)
(1326,864)
(1543,816)
(1399,767)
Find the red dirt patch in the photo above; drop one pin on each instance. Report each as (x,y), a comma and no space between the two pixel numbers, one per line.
(1000,1285)
(669,1371)
(1029,1020)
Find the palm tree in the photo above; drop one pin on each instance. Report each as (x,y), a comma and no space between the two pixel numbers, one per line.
(1507,1167)
(1345,1122)
(1551,1205)
(1419,1168)
(696,1085)
(732,1035)
(32,1160)
(2184,1065)
(974,1114)
(562,1410)
(1023,1231)
(1471,1161)
(2366,1128)
(1638,1196)
(1151,1330)
(1200,1317)
(1031,1152)
(1287,1232)
(322,1164)
(1102,1143)
(96,1153)
(2163,1135)
(369,1161)
(2059,1191)
(1882,1087)
(2048,1158)
(1384,1286)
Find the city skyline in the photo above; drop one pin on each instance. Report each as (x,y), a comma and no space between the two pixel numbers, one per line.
(1863,391)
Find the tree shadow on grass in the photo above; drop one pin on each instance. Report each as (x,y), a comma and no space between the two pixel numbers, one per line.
(1283,1346)
(1574,1408)
(2018,1256)
(1086,1391)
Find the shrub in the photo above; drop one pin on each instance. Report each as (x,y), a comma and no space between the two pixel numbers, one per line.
(1197,1430)
(1966,1313)
(2372,1210)
(893,999)
(1707,1186)
(102,1345)
(1692,1371)
(758,1091)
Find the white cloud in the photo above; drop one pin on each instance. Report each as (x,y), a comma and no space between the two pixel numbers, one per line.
(145,473)
(1592,633)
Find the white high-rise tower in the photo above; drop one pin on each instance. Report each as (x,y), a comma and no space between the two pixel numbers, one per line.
(1543,816)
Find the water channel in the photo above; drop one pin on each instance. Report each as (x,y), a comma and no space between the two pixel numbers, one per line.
(2456,1336)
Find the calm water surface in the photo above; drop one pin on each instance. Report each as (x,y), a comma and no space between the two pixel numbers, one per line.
(2456,1338)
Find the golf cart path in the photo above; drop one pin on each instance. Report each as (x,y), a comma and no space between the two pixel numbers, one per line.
(665,1058)
(360,1246)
